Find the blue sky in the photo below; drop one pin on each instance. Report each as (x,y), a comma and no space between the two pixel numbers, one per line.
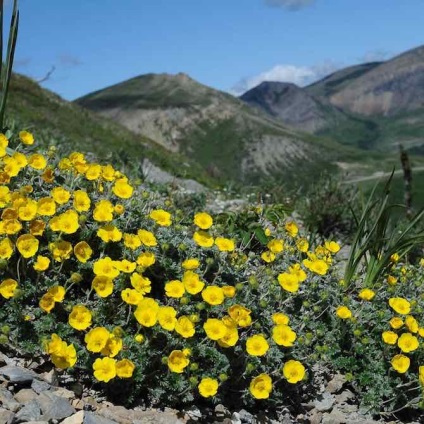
(231,45)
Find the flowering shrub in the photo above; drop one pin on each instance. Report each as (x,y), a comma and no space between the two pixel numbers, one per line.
(150,301)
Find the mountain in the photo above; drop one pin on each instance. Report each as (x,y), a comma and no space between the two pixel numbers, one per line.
(230,139)
(57,121)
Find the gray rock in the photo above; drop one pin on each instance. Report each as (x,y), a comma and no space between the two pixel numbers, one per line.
(77,418)
(7,400)
(194,413)
(6,417)
(54,407)
(17,374)
(336,383)
(335,417)
(51,377)
(37,422)
(221,411)
(325,402)
(64,393)
(345,396)
(315,417)
(235,418)
(30,412)
(246,417)
(90,418)
(40,386)
(25,395)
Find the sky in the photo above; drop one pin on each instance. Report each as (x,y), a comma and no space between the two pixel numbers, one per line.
(79,46)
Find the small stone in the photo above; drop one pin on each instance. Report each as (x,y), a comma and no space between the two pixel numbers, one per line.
(194,412)
(6,417)
(6,399)
(54,407)
(77,418)
(345,396)
(25,395)
(64,393)
(347,408)
(90,403)
(17,374)
(315,417)
(116,413)
(336,383)
(221,411)
(90,418)
(50,377)
(30,412)
(246,417)
(78,404)
(325,403)
(235,418)
(37,422)
(227,421)
(40,386)
(335,417)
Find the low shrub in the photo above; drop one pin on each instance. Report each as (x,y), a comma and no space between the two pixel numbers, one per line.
(150,302)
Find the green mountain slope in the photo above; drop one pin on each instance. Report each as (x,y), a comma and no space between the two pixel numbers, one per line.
(55,120)
(231,140)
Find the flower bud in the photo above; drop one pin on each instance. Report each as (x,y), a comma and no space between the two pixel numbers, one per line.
(194,366)
(76,277)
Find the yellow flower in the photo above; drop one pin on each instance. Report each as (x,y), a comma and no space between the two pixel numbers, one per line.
(215,329)
(37,161)
(240,315)
(343,312)
(261,386)
(60,195)
(81,201)
(366,294)
(167,317)
(288,282)
(275,246)
(302,245)
(283,335)
(6,248)
(412,324)
(401,363)
(268,256)
(280,318)
(36,227)
(146,316)
(192,283)
(125,266)
(102,285)
(132,241)
(395,257)
(27,245)
(175,289)
(396,323)
(46,206)
(400,305)
(408,343)
(80,317)
(389,337)
(185,327)
(58,293)
(421,375)
(147,238)
(122,189)
(177,361)
(318,266)
(391,280)
(93,172)
(131,296)
(61,250)
(293,371)
(125,368)
(108,172)
(161,217)
(190,264)
(109,233)
(83,251)
(104,369)
(113,346)
(96,339)
(140,283)
(66,358)
(208,387)
(4,196)
(203,239)
(8,288)
(47,302)
(139,338)
(103,211)
(26,137)
(28,210)
(231,336)
(298,272)
(203,220)
(291,229)
(146,259)
(224,244)
(213,295)
(332,246)
(106,267)
(229,291)
(66,222)
(257,345)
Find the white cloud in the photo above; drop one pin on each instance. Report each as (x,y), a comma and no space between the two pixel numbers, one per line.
(289,4)
(299,75)
(375,56)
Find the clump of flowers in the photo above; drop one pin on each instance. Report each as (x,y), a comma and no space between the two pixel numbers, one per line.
(180,304)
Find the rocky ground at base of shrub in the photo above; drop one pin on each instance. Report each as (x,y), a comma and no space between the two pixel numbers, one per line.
(30,396)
